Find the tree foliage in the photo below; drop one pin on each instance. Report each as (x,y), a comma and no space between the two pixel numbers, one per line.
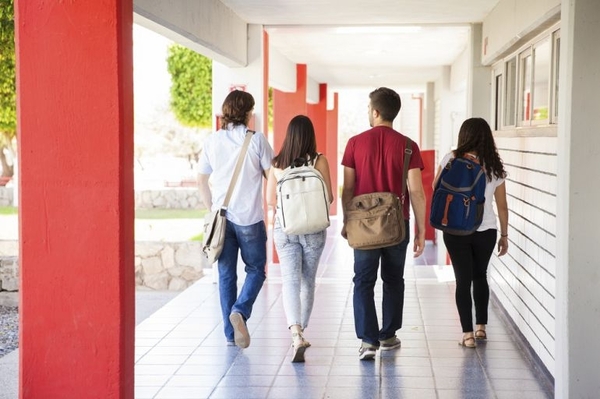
(191,86)
(8,113)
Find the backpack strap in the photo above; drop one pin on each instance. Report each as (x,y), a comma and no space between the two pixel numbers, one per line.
(407,155)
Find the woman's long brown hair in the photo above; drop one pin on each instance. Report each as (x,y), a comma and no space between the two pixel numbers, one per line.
(476,135)
(300,142)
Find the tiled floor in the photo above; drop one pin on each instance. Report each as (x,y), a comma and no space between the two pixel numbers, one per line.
(181,351)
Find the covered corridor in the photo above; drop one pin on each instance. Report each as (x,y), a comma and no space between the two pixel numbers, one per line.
(76,123)
(181,351)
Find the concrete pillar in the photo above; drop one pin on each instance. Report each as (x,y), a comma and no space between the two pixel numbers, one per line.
(479,94)
(250,78)
(75,119)
(578,275)
(318,115)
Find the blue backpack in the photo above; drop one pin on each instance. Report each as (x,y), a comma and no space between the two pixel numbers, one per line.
(459,197)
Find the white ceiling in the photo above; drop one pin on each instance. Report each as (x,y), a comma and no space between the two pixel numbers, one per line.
(367,43)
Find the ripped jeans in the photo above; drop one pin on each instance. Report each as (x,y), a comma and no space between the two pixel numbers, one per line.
(299,257)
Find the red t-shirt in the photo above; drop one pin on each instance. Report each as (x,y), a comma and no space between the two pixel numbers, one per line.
(377,157)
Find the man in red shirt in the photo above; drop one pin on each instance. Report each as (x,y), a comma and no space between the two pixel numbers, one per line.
(373,162)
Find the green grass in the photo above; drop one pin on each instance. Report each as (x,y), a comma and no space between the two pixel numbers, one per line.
(9,210)
(197,237)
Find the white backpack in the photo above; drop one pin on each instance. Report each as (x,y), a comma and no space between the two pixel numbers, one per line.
(302,200)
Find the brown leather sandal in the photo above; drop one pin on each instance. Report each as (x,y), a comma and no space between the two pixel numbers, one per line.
(480,334)
(468,342)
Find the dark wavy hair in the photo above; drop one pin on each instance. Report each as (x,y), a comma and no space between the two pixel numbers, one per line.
(236,108)
(387,102)
(300,142)
(476,135)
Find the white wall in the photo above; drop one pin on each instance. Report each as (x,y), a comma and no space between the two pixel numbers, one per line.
(513,22)
(251,77)
(525,279)
(282,72)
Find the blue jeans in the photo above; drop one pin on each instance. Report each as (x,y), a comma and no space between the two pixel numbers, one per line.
(251,241)
(366,265)
(299,257)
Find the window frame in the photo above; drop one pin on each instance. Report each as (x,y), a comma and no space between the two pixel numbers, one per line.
(537,44)
(554,86)
(502,116)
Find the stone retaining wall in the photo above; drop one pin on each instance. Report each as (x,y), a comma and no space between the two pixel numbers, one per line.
(6,196)
(171,198)
(161,266)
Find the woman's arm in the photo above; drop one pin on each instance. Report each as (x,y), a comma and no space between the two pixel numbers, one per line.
(502,207)
(322,166)
(271,185)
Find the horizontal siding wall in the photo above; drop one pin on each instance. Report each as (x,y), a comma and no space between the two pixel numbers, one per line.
(524,279)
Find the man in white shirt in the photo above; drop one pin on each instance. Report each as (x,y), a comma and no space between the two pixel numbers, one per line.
(246,230)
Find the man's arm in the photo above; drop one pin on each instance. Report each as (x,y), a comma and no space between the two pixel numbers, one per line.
(347,193)
(204,188)
(417,201)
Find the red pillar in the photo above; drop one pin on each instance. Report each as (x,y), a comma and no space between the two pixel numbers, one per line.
(288,105)
(75,118)
(332,150)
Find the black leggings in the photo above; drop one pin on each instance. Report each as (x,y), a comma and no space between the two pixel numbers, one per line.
(470,257)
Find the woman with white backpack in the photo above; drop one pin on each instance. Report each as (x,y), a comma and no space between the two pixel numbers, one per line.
(299,254)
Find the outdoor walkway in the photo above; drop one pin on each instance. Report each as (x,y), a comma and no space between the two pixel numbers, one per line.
(181,351)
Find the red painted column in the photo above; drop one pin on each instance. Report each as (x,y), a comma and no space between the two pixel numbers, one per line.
(332,150)
(76,210)
(288,105)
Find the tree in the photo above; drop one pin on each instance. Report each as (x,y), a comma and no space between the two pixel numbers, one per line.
(191,88)
(8,113)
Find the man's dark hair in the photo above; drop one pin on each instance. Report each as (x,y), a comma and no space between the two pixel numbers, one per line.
(387,102)
(236,108)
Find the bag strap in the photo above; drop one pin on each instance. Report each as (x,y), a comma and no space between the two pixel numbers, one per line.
(236,172)
(407,155)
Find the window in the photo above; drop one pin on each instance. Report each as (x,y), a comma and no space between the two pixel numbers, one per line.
(542,53)
(555,70)
(525,84)
(510,92)
(498,99)
(526,63)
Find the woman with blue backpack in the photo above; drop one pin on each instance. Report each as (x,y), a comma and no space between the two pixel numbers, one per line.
(471,247)
(299,187)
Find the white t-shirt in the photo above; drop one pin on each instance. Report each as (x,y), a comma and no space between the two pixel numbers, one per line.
(489,214)
(218,159)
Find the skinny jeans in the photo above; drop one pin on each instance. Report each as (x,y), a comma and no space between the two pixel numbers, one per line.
(299,257)
(470,257)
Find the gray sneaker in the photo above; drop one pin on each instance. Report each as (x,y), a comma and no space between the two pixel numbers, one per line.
(240,330)
(366,353)
(390,343)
